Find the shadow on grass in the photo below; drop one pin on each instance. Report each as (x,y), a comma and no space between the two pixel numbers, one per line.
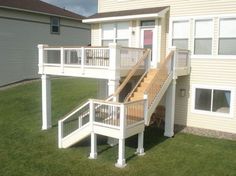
(152,136)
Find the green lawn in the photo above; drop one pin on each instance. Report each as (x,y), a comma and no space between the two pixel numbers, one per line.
(26,150)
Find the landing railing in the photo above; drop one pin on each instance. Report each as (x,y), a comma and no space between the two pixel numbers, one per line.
(130,56)
(103,113)
(120,115)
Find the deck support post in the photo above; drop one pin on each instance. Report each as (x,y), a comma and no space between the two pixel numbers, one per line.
(170,110)
(121,154)
(93,153)
(140,149)
(46,102)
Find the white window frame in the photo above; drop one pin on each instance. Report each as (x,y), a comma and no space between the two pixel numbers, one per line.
(180,19)
(210,113)
(194,37)
(114,38)
(218,40)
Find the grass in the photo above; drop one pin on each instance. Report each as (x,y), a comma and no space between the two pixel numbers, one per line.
(26,150)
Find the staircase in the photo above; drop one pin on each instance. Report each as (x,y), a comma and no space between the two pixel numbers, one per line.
(138,92)
(122,120)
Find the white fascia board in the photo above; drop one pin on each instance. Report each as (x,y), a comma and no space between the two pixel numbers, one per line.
(127,17)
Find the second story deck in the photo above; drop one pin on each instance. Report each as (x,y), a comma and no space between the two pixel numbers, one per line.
(111,62)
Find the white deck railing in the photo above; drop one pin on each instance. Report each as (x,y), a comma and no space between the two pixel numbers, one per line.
(181,59)
(130,56)
(103,113)
(60,59)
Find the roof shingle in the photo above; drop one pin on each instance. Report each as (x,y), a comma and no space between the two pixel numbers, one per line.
(39,7)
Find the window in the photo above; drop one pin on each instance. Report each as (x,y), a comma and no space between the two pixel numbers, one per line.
(115,32)
(203,37)
(213,100)
(227,39)
(107,34)
(180,34)
(55,25)
(148,23)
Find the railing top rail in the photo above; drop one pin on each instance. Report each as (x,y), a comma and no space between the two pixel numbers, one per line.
(75,46)
(132,71)
(133,48)
(104,102)
(136,101)
(75,110)
(182,50)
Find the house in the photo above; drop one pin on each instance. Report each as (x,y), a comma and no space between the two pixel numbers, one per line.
(143,51)
(24,24)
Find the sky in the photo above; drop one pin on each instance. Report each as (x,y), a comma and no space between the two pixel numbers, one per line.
(82,7)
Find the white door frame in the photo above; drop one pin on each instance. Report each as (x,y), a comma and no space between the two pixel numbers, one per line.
(154,43)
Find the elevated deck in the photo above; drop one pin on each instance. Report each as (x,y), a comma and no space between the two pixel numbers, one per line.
(110,117)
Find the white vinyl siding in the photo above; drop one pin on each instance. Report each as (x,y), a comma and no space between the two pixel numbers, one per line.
(180,34)
(203,37)
(115,33)
(227,39)
(178,7)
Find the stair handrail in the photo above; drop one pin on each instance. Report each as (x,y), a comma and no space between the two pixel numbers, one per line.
(147,92)
(74,110)
(132,72)
(162,64)
(136,86)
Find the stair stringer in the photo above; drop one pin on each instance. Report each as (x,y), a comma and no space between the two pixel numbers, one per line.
(158,98)
(76,136)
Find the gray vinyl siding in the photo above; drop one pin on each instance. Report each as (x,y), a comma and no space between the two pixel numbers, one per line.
(20,33)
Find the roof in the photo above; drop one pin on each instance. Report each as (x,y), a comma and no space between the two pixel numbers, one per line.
(38,6)
(126,14)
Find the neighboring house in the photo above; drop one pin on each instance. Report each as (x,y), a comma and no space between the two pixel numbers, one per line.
(26,23)
(177,32)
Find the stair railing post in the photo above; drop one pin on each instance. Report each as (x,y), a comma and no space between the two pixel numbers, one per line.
(148,61)
(121,148)
(174,49)
(60,133)
(145,97)
(91,111)
(122,119)
(189,62)
(93,152)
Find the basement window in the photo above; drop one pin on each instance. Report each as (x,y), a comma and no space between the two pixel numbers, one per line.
(55,25)
(214,101)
